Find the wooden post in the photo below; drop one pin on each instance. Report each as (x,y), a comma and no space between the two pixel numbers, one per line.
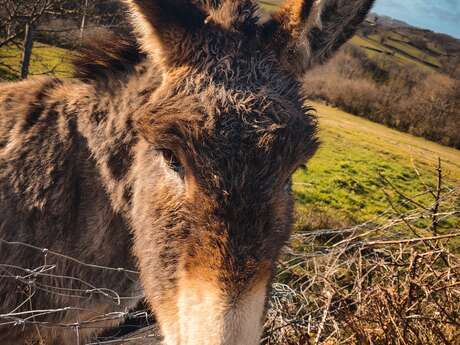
(27,52)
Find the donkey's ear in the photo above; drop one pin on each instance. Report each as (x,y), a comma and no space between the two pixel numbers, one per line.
(164,27)
(307,32)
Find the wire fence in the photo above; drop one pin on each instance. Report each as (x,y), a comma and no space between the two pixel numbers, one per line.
(392,282)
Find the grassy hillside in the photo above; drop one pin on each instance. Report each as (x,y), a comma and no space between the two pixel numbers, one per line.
(344,180)
(268,5)
(396,51)
(45,60)
(389,42)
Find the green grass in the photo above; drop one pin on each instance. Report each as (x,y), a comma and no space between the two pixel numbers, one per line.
(398,37)
(343,179)
(45,60)
(368,43)
(413,51)
(401,50)
(268,5)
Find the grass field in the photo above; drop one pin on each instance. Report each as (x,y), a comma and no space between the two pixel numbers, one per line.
(268,5)
(368,43)
(400,52)
(410,50)
(344,179)
(45,60)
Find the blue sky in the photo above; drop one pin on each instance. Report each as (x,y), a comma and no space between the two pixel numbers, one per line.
(437,15)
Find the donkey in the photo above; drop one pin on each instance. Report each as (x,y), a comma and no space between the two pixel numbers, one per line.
(170,157)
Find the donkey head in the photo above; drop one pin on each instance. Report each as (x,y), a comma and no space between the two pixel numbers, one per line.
(221,137)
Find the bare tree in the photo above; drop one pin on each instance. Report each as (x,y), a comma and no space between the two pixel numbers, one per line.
(58,21)
(84,18)
(18,19)
(27,52)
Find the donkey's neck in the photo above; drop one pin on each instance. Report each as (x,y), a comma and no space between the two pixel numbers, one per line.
(104,112)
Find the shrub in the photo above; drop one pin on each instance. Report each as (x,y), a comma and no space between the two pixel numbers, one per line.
(390,282)
(405,97)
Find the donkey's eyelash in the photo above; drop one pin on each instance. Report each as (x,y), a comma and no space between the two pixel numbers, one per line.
(172,161)
(302,167)
(288,184)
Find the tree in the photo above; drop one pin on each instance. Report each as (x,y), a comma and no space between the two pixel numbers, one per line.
(18,20)
(56,22)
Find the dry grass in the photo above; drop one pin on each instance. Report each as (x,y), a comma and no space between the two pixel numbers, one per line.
(364,293)
(396,282)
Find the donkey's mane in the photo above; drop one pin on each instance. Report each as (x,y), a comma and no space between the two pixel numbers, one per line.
(104,56)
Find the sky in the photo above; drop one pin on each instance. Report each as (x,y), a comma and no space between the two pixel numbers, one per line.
(437,15)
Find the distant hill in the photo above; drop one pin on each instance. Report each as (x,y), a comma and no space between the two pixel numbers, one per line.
(388,21)
(408,44)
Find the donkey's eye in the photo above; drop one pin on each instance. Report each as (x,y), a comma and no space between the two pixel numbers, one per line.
(172,161)
(288,185)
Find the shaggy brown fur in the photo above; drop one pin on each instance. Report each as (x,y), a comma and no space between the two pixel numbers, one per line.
(175,161)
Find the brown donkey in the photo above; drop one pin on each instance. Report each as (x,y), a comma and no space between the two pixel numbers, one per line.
(174,161)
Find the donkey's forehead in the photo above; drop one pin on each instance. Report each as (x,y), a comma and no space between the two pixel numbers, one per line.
(222,111)
(232,64)
(241,106)
(241,129)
